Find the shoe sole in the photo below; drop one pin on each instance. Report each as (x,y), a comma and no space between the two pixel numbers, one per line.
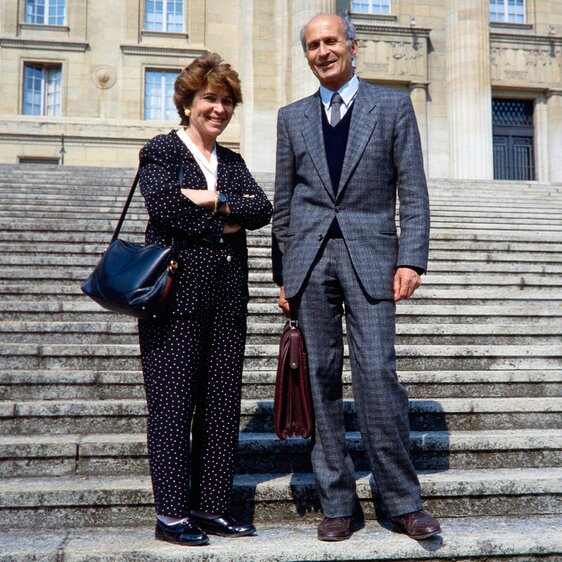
(355,526)
(159,536)
(417,537)
(233,535)
(334,539)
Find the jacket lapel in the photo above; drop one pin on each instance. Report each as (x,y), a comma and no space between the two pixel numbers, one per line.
(360,131)
(314,139)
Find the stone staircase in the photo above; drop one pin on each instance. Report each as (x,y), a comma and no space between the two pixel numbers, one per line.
(479,349)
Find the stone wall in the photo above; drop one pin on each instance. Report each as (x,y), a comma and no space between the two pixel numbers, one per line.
(447,54)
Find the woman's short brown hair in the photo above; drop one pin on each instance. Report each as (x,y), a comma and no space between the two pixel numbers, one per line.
(210,69)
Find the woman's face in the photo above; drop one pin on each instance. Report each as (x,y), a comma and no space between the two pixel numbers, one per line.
(211,111)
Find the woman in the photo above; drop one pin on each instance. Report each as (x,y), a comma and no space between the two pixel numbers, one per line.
(201,197)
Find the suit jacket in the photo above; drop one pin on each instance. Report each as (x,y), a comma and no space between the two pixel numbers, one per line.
(383,160)
(198,234)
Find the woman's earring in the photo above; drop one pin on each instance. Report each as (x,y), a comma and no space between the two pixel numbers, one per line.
(187,111)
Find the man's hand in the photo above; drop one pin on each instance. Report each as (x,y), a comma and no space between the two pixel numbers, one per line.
(283,303)
(406,281)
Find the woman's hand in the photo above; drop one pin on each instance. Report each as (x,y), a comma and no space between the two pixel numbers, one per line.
(231,227)
(201,197)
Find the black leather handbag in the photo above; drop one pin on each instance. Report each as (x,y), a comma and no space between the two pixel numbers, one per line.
(133,279)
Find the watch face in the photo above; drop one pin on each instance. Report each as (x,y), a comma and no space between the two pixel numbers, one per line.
(222,198)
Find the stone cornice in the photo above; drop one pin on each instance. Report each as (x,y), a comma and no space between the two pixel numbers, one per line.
(44,45)
(141,50)
(166,35)
(89,139)
(396,31)
(360,17)
(501,37)
(42,27)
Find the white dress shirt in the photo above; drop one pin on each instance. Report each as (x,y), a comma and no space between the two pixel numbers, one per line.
(348,92)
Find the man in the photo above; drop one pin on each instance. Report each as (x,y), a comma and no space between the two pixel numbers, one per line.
(341,161)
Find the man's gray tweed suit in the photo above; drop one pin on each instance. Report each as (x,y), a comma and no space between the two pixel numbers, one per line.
(353,275)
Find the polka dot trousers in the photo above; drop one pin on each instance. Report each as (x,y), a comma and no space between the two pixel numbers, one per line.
(192,369)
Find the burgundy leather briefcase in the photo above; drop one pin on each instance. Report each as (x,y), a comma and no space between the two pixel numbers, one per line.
(293,414)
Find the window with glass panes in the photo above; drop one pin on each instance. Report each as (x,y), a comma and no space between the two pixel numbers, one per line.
(510,11)
(371,6)
(158,95)
(47,12)
(42,89)
(164,15)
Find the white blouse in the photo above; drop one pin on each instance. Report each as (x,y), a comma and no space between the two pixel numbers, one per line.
(208,167)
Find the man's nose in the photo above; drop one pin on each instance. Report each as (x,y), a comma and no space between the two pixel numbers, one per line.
(323,50)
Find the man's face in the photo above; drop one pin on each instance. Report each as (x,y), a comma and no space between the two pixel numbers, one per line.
(327,51)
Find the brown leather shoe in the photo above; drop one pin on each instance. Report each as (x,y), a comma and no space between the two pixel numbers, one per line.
(338,528)
(417,525)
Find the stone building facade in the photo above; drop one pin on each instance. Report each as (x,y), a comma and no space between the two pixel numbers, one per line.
(484,76)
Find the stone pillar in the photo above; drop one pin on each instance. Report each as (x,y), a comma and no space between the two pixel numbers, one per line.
(10,16)
(554,113)
(418,95)
(540,125)
(303,82)
(469,96)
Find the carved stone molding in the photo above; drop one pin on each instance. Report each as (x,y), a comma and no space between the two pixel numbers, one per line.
(44,45)
(392,52)
(535,60)
(140,50)
(103,76)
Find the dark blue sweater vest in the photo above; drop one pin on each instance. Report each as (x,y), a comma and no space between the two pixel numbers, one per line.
(335,142)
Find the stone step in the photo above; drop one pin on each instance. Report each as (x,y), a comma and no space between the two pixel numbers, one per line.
(508,539)
(441,277)
(260,258)
(66,276)
(40,503)
(126,454)
(426,295)
(95,333)
(105,211)
(138,222)
(71,384)
(504,240)
(119,416)
(408,311)
(264,356)
(437,190)
(257,245)
(109,204)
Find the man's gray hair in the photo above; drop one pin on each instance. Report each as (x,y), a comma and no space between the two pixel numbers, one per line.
(349,28)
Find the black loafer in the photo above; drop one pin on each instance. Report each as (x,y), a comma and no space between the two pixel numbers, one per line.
(223,526)
(186,533)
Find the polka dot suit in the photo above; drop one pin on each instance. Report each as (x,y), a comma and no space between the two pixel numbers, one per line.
(192,358)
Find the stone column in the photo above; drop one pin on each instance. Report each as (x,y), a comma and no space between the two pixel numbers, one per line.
(303,82)
(554,113)
(469,96)
(10,17)
(540,125)
(418,95)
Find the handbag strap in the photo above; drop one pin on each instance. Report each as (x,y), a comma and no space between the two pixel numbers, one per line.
(132,192)
(126,207)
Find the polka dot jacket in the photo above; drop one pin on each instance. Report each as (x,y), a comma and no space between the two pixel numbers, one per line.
(196,233)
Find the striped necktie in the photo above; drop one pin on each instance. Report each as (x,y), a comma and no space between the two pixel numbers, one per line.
(335,109)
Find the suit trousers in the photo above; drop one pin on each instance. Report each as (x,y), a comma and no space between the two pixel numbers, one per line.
(192,370)
(331,290)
